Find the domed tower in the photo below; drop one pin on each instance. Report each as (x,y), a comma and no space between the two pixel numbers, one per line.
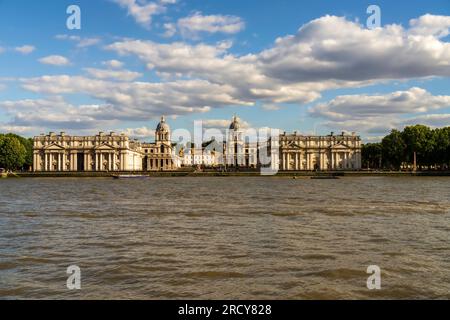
(235,143)
(162,131)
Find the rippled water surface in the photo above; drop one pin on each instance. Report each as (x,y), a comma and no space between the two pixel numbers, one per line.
(225,238)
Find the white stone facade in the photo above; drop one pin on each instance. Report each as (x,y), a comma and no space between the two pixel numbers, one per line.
(103,152)
(332,152)
(114,152)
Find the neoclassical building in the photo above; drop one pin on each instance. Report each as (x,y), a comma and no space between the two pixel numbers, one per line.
(117,152)
(332,152)
(104,152)
(239,152)
(160,155)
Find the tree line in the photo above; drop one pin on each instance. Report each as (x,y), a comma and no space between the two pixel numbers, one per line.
(396,151)
(16,152)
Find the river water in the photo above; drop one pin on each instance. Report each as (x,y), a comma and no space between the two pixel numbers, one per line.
(225,238)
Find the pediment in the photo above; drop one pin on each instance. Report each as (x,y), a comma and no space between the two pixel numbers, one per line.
(340,146)
(104,146)
(54,146)
(292,145)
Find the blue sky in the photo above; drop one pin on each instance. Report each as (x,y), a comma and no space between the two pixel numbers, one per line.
(208,60)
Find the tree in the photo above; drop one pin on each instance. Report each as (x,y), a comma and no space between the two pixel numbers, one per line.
(12,153)
(419,140)
(28,144)
(393,150)
(441,150)
(372,155)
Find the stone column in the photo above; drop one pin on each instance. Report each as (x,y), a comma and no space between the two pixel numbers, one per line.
(332,160)
(124,164)
(308,156)
(34,162)
(110,164)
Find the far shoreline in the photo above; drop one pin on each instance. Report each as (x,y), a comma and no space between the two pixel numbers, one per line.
(286,174)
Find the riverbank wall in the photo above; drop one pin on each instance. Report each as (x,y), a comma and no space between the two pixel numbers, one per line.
(298,174)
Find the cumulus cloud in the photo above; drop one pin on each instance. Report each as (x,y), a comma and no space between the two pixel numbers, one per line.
(53,113)
(26,49)
(378,113)
(55,60)
(432,120)
(121,75)
(222,123)
(270,107)
(114,64)
(80,41)
(214,64)
(139,101)
(431,25)
(327,53)
(414,100)
(197,23)
(139,133)
(143,11)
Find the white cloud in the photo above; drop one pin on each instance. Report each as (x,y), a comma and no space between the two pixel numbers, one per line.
(143,11)
(2,50)
(81,42)
(326,53)
(270,107)
(432,120)
(340,50)
(431,25)
(414,100)
(26,49)
(171,29)
(115,64)
(378,113)
(222,123)
(55,60)
(198,23)
(54,113)
(137,101)
(122,75)
(139,133)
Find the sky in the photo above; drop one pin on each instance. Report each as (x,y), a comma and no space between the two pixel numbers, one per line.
(307,66)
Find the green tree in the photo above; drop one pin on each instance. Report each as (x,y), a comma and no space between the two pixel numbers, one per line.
(28,144)
(418,139)
(393,150)
(441,150)
(372,155)
(12,153)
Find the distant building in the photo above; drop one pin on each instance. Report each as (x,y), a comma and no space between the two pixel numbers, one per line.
(114,152)
(332,152)
(103,152)
(160,155)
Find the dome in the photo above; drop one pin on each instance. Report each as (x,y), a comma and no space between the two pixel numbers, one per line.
(235,125)
(163,126)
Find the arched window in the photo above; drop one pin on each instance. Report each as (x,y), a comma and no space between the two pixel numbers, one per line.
(162,149)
